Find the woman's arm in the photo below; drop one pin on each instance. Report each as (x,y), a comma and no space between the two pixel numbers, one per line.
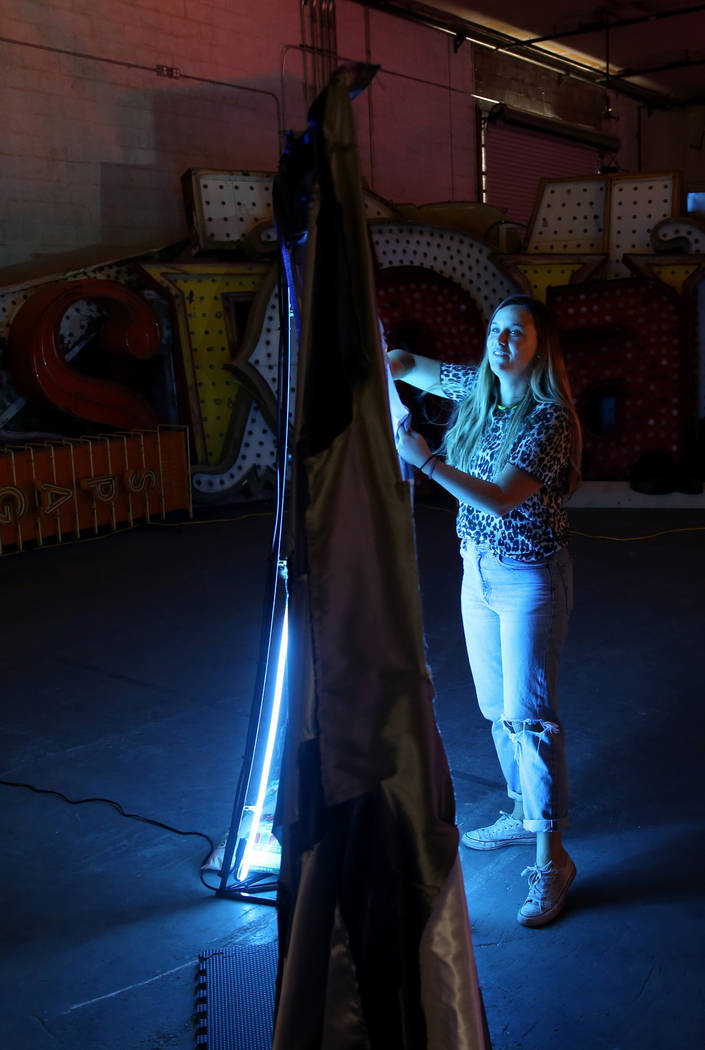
(511,488)
(421,372)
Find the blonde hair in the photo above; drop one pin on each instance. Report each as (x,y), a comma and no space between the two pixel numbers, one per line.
(548,384)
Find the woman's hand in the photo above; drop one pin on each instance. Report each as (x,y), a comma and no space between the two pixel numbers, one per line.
(511,488)
(401,362)
(421,372)
(412,447)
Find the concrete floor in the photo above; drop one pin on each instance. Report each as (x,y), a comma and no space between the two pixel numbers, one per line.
(127,668)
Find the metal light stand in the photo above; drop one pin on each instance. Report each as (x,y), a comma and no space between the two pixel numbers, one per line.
(238,878)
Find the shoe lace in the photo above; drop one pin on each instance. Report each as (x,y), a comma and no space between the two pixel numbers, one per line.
(539,879)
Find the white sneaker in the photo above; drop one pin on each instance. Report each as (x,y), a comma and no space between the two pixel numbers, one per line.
(547,889)
(506,831)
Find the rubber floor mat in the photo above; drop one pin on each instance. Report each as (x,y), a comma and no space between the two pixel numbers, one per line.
(235,997)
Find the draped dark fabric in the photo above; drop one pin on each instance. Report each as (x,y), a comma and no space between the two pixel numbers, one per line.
(374,941)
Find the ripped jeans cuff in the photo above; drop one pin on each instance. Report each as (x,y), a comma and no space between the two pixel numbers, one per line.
(547,825)
(537,768)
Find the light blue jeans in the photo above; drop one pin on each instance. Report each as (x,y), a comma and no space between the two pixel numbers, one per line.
(515,617)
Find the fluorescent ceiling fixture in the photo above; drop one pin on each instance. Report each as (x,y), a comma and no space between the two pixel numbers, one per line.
(550,48)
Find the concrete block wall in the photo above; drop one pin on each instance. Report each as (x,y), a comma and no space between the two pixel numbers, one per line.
(93,148)
(94,142)
(416,126)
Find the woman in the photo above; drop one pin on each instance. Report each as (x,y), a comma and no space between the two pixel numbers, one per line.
(510,458)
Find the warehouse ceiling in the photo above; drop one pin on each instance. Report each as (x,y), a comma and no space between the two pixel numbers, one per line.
(652,50)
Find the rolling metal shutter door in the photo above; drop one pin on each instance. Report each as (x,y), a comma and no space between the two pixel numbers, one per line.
(518,158)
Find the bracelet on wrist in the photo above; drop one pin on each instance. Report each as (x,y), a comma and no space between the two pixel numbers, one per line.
(432,456)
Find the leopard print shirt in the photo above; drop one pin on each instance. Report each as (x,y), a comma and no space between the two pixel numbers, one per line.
(538,527)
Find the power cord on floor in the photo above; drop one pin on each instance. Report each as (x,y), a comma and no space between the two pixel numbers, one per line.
(209,521)
(595,535)
(257,882)
(633,539)
(120,810)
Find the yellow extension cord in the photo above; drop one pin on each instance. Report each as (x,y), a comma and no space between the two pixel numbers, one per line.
(268,514)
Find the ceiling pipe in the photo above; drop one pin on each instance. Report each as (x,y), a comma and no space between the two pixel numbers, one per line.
(619,23)
(462,30)
(685,63)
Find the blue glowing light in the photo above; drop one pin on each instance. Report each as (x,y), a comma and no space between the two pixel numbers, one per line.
(253,834)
